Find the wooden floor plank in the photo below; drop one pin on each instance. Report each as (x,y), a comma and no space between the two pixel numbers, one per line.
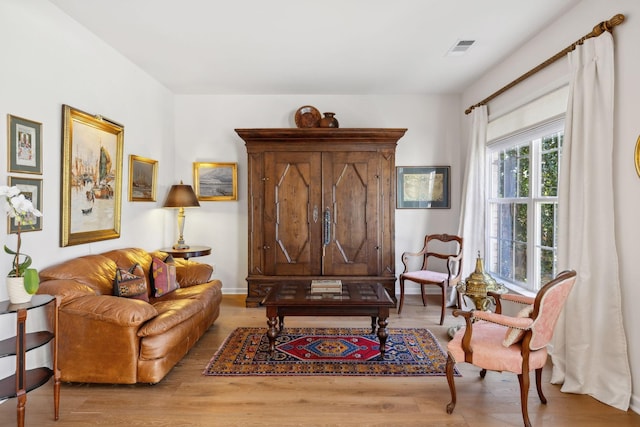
(188,398)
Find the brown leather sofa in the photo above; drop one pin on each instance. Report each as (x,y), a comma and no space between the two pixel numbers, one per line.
(110,339)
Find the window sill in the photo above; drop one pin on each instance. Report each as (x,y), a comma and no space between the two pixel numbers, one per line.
(519,290)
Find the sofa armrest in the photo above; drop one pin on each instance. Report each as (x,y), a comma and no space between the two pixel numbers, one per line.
(66,288)
(191,273)
(125,312)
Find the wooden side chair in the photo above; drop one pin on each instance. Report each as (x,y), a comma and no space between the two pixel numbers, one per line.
(496,342)
(436,246)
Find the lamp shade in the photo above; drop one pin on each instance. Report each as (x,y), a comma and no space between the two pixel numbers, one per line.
(181,196)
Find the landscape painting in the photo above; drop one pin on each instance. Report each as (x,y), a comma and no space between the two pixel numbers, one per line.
(216,181)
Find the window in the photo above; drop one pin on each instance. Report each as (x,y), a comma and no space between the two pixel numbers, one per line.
(522,205)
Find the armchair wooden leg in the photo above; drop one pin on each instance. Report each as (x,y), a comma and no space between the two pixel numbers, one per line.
(401,294)
(539,386)
(452,386)
(444,303)
(424,296)
(523,379)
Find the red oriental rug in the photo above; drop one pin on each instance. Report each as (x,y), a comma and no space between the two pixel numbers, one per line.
(329,351)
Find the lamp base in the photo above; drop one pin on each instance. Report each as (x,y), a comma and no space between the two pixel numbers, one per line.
(180,246)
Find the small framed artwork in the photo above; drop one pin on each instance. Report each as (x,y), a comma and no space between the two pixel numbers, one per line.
(24,145)
(423,187)
(32,190)
(215,181)
(143,175)
(91,177)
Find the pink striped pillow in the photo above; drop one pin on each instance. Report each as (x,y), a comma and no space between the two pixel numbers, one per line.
(164,276)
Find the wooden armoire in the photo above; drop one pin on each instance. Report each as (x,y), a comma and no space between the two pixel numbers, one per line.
(321,205)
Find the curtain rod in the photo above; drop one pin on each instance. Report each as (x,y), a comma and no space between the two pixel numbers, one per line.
(597,30)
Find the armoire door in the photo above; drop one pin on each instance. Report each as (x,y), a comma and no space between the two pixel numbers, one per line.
(292,213)
(351,187)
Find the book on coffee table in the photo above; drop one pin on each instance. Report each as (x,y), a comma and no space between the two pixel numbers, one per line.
(326,286)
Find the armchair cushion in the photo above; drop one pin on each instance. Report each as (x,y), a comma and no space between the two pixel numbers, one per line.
(426,276)
(488,353)
(515,335)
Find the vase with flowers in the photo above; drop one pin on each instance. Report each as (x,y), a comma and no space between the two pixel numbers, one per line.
(22,281)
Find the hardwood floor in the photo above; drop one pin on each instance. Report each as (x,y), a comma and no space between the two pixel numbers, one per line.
(187,398)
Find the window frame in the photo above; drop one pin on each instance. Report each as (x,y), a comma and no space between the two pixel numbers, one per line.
(534,201)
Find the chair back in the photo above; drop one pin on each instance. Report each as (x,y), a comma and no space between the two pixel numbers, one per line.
(547,307)
(444,247)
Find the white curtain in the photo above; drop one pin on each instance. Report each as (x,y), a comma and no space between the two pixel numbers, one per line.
(472,211)
(589,350)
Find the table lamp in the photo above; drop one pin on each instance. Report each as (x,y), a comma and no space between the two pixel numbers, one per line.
(181,196)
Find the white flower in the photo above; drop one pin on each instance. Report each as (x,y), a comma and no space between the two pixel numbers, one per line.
(17,206)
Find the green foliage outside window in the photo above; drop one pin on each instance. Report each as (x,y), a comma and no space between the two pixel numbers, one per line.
(514,201)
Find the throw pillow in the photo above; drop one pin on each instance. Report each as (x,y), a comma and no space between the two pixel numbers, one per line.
(514,335)
(163,274)
(128,284)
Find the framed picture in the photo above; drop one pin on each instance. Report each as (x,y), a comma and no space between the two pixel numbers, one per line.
(423,187)
(32,190)
(91,177)
(24,145)
(143,174)
(215,181)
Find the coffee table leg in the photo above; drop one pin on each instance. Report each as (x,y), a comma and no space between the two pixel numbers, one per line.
(281,325)
(382,335)
(374,320)
(272,333)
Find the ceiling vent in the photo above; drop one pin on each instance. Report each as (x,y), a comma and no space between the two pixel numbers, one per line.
(460,48)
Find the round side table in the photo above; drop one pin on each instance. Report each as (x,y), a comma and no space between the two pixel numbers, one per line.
(191,252)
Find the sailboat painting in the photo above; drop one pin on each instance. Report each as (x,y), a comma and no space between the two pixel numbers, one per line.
(92,176)
(142,179)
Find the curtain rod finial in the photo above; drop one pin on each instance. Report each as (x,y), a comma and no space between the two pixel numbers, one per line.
(607,25)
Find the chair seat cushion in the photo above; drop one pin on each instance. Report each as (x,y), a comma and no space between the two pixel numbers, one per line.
(490,354)
(426,276)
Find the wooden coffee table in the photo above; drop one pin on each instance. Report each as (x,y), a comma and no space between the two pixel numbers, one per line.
(356,299)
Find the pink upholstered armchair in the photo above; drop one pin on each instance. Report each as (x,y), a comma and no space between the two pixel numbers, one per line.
(496,342)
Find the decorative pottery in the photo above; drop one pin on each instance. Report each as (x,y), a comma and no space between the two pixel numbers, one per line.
(307,117)
(17,293)
(328,121)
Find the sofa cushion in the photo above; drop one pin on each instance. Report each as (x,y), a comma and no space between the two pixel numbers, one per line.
(95,271)
(131,283)
(171,312)
(163,274)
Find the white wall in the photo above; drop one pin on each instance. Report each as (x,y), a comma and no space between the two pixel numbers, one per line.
(569,28)
(205,133)
(48,60)
(62,63)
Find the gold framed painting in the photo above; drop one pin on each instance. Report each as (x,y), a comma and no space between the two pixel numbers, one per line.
(32,190)
(215,181)
(24,145)
(143,175)
(91,177)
